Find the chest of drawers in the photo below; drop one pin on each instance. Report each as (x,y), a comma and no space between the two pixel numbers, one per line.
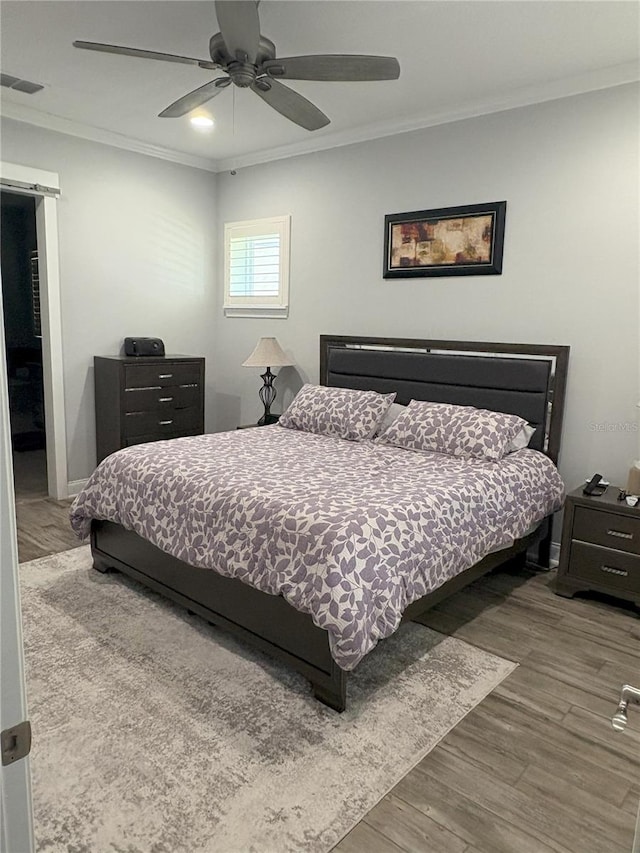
(146,399)
(600,546)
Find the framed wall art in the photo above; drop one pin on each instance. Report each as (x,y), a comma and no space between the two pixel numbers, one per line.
(466,240)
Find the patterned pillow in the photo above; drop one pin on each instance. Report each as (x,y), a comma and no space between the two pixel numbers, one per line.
(456,430)
(342,412)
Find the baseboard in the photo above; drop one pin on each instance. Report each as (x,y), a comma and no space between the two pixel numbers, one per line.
(76,486)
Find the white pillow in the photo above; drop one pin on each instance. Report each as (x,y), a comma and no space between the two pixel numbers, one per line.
(522,439)
(392,413)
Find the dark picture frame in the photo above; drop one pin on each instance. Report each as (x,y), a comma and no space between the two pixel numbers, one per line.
(445,241)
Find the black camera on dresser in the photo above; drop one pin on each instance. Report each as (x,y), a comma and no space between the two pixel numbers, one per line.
(139,401)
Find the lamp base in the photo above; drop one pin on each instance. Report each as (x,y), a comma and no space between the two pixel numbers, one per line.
(267,395)
(265,420)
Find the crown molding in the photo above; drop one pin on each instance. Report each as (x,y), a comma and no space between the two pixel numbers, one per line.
(592,81)
(28,115)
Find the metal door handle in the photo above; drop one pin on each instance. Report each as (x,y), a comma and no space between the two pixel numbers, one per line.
(627,694)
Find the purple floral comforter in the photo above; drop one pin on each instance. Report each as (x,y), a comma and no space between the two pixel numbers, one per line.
(349,532)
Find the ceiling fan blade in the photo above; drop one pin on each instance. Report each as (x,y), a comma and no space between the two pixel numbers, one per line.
(338,67)
(290,104)
(144,54)
(240,26)
(194,99)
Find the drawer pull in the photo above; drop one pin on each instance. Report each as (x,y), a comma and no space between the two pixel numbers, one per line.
(165,375)
(611,571)
(165,423)
(165,399)
(144,388)
(620,534)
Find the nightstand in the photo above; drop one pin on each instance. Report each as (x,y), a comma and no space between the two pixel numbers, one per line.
(248,426)
(600,546)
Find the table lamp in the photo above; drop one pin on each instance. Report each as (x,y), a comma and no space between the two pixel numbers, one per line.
(267,353)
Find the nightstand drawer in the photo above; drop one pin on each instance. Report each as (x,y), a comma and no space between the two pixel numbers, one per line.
(605,567)
(621,532)
(161,375)
(160,399)
(162,423)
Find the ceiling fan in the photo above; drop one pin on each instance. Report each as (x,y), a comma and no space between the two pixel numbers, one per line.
(249,60)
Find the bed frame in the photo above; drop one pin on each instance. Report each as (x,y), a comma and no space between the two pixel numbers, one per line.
(524,379)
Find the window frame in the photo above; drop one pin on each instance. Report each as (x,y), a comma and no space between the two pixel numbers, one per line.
(259,306)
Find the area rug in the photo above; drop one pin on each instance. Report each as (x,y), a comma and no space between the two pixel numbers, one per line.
(155,732)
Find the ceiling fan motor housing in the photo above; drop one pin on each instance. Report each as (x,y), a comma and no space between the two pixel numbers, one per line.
(242,72)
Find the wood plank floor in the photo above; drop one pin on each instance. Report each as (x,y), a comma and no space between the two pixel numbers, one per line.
(43,528)
(536,766)
(43,524)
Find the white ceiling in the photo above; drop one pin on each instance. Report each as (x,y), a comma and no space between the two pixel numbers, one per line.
(457,59)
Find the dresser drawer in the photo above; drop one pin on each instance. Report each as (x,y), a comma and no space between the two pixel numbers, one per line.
(161,423)
(161,399)
(161,375)
(621,532)
(605,567)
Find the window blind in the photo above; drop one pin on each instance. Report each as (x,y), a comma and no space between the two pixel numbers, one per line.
(254,265)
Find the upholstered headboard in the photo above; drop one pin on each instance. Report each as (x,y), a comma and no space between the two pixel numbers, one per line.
(523,379)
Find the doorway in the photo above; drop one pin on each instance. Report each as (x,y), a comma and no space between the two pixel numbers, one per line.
(44,188)
(23,337)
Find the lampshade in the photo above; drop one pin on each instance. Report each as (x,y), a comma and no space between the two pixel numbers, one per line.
(267,353)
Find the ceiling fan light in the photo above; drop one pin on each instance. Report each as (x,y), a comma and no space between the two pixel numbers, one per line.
(202,122)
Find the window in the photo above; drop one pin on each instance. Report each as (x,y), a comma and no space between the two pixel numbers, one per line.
(256,267)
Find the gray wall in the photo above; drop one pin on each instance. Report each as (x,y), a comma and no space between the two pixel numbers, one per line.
(140,243)
(136,258)
(569,172)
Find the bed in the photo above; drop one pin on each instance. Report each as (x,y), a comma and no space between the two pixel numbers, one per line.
(296,622)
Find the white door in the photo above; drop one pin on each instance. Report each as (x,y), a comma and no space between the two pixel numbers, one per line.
(16,817)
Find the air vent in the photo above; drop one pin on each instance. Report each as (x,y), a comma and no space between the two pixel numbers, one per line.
(19,85)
